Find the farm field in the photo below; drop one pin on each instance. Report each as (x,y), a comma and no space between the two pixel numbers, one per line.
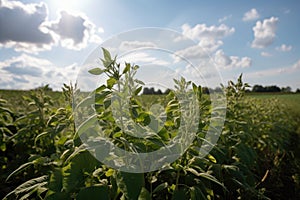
(143,100)
(292,101)
(43,157)
(249,161)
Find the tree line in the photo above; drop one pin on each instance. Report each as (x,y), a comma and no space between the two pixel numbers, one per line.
(206,90)
(273,89)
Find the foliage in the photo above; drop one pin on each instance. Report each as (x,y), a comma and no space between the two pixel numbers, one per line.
(272,88)
(42,156)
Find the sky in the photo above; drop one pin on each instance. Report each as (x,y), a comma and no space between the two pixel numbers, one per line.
(47,42)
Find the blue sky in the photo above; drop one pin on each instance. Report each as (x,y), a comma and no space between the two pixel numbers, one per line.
(45,42)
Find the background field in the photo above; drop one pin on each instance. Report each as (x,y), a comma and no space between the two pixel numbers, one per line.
(292,101)
(41,157)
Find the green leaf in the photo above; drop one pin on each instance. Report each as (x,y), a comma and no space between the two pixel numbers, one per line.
(193,171)
(176,81)
(3,147)
(88,101)
(106,54)
(58,195)
(96,71)
(28,186)
(195,87)
(85,126)
(211,178)
(110,82)
(144,195)
(211,158)
(169,123)
(160,187)
(76,152)
(75,172)
(56,178)
(99,97)
(19,169)
(99,89)
(94,193)
(230,167)
(139,82)
(138,90)
(179,195)
(127,68)
(40,136)
(130,184)
(109,172)
(117,134)
(197,194)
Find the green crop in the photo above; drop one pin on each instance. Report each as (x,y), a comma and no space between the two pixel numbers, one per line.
(43,156)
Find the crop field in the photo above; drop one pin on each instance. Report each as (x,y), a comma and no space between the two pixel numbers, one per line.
(291,101)
(257,155)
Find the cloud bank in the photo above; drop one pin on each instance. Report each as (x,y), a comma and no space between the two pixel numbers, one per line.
(26,27)
(27,71)
(210,41)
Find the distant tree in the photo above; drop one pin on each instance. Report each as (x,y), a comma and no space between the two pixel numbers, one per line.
(286,89)
(205,90)
(218,89)
(167,91)
(158,92)
(258,88)
(148,90)
(151,91)
(298,90)
(44,87)
(272,88)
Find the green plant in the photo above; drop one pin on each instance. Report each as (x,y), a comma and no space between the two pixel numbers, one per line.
(43,156)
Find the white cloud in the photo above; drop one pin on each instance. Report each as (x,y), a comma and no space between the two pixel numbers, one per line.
(27,72)
(251,15)
(296,65)
(208,46)
(94,37)
(131,45)
(264,32)
(265,54)
(201,31)
(275,71)
(73,30)
(20,26)
(204,49)
(190,53)
(25,27)
(284,48)
(225,18)
(142,58)
(224,61)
